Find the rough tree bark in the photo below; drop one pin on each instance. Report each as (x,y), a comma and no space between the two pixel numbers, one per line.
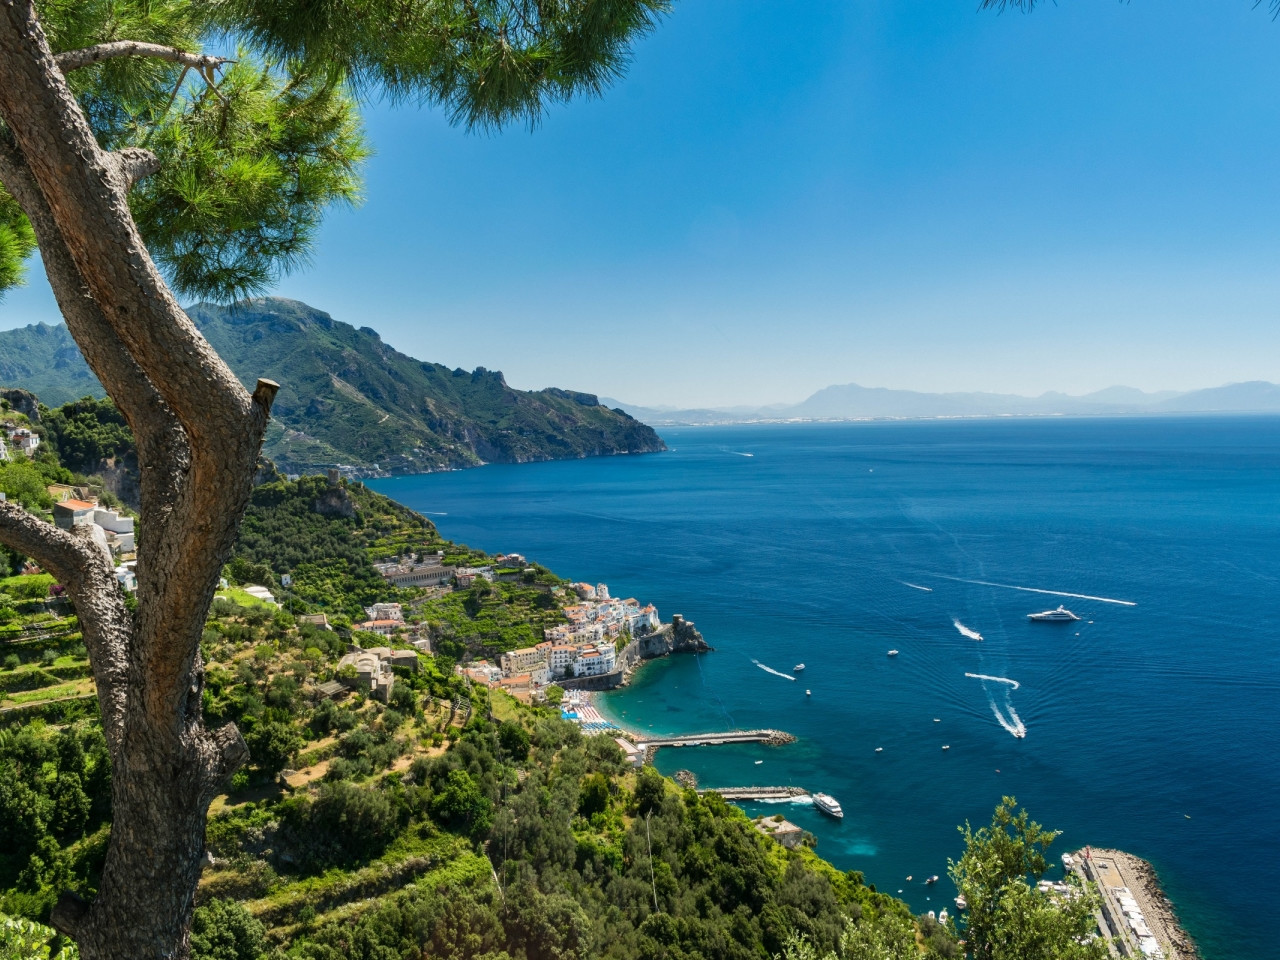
(199,433)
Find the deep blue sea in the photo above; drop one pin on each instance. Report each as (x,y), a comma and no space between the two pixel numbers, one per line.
(802,543)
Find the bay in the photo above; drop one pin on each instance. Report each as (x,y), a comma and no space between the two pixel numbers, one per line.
(1151,727)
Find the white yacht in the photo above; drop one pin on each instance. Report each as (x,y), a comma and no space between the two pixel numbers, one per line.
(828,805)
(1061,615)
(797,668)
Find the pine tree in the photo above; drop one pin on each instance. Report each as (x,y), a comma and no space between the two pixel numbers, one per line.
(151,149)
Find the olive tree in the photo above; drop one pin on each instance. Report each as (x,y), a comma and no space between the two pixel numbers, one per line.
(151,149)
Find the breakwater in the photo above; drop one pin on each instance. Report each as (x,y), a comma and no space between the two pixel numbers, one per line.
(758,793)
(1134,907)
(768,737)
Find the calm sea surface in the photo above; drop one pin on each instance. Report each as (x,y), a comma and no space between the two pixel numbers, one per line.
(810,543)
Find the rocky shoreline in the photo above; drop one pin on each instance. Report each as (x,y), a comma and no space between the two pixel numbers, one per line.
(1140,878)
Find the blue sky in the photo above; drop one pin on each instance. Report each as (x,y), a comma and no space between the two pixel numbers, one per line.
(785,195)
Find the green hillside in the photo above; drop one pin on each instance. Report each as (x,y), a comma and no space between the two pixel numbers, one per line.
(348,399)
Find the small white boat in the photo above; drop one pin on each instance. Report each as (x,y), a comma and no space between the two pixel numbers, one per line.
(797,668)
(758,762)
(828,805)
(879,749)
(932,880)
(1061,615)
(1019,734)
(943,916)
(962,903)
(808,693)
(946,746)
(893,653)
(937,719)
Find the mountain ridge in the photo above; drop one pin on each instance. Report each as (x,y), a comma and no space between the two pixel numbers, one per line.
(349,400)
(851,401)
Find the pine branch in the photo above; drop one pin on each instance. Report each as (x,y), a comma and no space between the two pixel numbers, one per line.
(86,57)
(86,571)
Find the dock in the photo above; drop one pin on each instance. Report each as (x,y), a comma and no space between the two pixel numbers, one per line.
(1134,910)
(758,793)
(771,737)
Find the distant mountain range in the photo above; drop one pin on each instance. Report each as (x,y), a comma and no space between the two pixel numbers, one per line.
(347,399)
(853,402)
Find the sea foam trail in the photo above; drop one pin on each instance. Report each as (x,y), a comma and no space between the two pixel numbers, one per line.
(965,631)
(916,586)
(1052,593)
(776,673)
(982,676)
(1013,723)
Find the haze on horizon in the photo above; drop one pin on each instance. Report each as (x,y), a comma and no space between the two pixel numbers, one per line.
(911,195)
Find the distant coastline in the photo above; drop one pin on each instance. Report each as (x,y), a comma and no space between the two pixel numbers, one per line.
(854,403)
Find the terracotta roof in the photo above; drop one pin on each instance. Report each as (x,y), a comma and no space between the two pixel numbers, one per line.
(77,505)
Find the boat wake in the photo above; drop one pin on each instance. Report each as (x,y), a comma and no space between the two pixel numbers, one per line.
(916,586)
(1013,723)
(776,673)
(982,676)
(1052,593)
(966,632)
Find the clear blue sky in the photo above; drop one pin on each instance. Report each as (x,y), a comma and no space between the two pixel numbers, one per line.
(784,195)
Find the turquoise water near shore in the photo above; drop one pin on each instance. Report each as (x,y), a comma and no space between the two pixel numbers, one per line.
(807,551)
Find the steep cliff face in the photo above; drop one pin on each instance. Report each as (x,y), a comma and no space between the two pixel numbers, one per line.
(679,636)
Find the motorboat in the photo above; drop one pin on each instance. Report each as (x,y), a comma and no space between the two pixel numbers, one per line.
(797,668)
(1061,615)
(946,746)
(962,903)
(932,880)
(808,693)
(893,653)
(943,916)
(879,749)
(828,805)
(1019,734)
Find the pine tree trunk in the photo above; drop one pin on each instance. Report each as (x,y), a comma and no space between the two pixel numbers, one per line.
(198,433)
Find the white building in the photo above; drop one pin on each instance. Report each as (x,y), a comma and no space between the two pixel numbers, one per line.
(594,661)
(385,611)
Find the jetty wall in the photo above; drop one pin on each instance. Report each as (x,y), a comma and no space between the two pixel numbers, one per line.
(678,636)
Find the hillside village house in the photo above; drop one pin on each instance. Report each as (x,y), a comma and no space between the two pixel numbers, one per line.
(385,611)
(117,531)
(383,628)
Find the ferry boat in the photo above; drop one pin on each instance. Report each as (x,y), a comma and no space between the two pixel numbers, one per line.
(1061,615)
(828,805)
(797,668)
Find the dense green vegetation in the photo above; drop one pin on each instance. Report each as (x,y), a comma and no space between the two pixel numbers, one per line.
(86,434)
(348,398)
(449,822)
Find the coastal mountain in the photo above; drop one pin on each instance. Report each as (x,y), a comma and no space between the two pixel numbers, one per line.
(851,401)
(348,399)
